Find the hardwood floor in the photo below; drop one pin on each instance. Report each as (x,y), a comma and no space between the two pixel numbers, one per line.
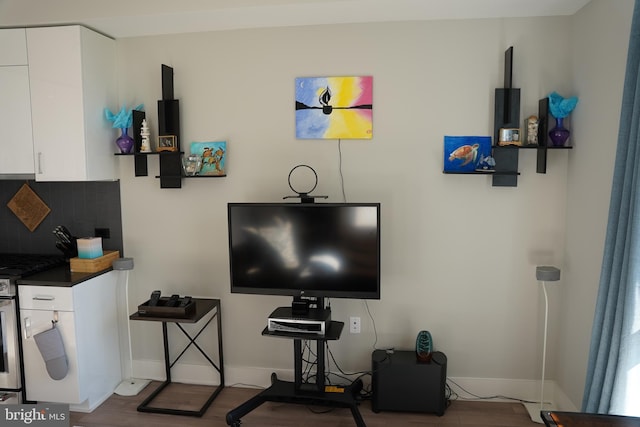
(119,411)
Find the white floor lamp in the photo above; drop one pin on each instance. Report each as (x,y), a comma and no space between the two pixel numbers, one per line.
(129,386)
(544,274)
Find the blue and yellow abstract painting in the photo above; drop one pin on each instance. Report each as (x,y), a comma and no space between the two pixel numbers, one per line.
(214,157)
(464,153)
(334,107)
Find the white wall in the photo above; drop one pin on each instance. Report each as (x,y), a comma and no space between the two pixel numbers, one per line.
(459,255)
(599,60)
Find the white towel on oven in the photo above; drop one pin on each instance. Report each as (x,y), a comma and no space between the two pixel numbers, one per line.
(51,348)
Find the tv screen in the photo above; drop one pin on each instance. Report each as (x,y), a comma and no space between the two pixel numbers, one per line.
(305,249)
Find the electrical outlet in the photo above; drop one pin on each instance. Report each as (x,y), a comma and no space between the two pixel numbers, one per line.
(354,325)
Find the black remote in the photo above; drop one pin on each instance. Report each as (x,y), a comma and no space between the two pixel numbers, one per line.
(185,301)
(173,301)
(155,297)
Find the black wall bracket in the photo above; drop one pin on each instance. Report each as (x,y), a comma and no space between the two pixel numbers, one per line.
(506,115)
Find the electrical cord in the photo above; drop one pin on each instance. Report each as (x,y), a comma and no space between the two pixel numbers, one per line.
(476,397)
(311,360)
(344,196)
(364,393)
(373,323)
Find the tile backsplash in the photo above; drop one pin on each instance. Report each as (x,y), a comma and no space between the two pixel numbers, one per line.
(80,206)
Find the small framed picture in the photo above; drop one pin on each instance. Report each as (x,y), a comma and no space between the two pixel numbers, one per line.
(509,136)
(167,143)
(214,157)
(465,153)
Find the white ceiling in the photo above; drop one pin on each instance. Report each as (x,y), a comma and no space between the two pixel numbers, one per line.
(130,18)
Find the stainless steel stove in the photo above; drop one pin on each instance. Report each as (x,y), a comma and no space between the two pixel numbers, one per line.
(12,268)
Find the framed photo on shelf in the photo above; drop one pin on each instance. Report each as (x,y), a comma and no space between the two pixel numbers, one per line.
(509,136)
(167,143)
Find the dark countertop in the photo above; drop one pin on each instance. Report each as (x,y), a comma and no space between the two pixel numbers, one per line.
(59,276)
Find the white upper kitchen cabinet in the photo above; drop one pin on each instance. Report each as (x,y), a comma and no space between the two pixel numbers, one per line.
(16,144)
(13,47)
(72,74)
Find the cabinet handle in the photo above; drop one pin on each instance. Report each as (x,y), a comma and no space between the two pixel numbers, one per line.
(27,328)
(40,162)
(44,298)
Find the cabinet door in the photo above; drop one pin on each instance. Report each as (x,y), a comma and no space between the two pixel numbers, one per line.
(39,385)
(68,95)
(13,46)
(56,103)
(16,144)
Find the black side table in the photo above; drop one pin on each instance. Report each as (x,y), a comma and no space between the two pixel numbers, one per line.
(203,307)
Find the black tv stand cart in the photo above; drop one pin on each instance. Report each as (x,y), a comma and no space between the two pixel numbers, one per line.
(304,393)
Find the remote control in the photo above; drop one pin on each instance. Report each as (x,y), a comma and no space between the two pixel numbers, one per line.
(185,301)
(173,301)
(155,297)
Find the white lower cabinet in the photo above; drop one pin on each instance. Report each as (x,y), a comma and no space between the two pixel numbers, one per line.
(86,316)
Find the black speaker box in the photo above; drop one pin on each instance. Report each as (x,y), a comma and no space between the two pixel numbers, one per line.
(400,383)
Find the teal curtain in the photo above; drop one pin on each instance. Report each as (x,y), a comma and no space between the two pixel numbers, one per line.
(613,373)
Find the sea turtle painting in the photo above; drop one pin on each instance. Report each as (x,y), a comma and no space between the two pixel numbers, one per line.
(466,153)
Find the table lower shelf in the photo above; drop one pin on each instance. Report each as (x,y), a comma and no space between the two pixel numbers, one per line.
(146,405)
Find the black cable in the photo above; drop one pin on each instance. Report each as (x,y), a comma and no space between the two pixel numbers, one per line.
(344,196)
(475,396)
(311,361)
(373,322)
(340,369)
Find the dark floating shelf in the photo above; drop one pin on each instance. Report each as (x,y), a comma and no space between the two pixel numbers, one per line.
(170,167)
(191,176)
(525,147)
(149,154)
(481,173)
(470,172)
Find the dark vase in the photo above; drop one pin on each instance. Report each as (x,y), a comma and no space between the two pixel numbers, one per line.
(559,134)
(124,142)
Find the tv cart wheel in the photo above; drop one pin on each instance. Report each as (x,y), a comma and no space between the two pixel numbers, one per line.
(274,378)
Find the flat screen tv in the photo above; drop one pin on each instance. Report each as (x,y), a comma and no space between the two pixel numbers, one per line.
(305,249)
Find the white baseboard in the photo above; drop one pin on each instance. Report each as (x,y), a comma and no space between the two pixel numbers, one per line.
(238,376)
(487,389)
(89,405)
(506,390)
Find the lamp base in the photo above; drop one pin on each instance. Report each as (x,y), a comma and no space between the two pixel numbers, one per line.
(535,408)
(131,386)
